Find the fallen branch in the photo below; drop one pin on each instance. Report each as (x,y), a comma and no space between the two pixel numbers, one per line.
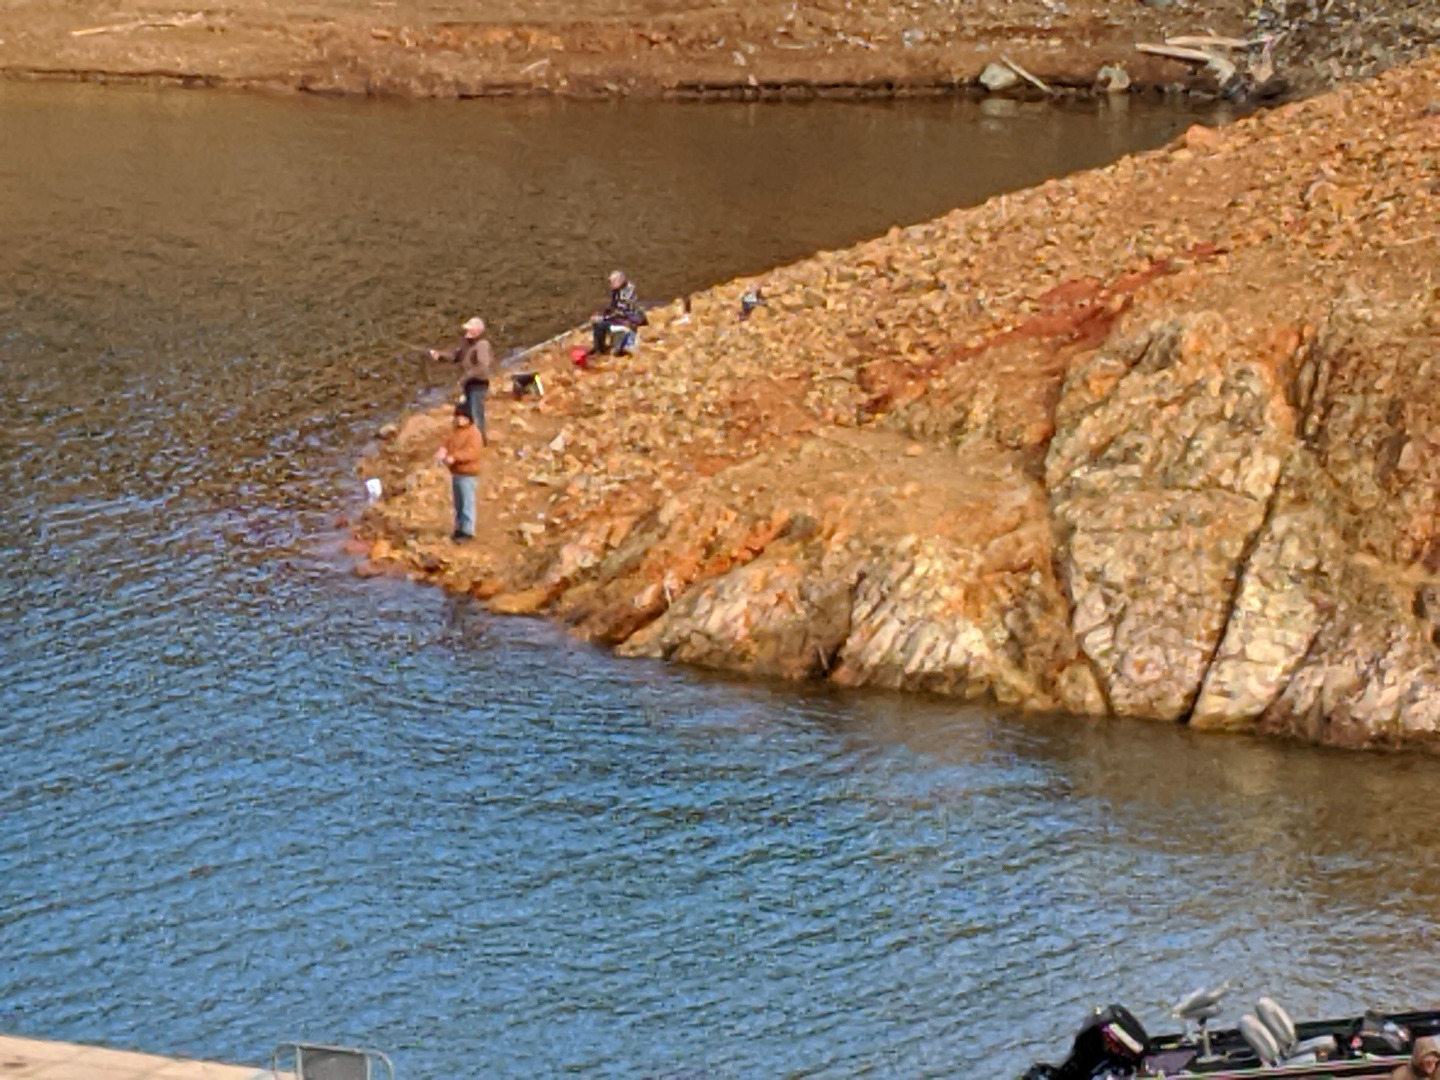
(142,24)
(1210,41)
(114,28)
(1224,70)
(1013,66)
(1177,52)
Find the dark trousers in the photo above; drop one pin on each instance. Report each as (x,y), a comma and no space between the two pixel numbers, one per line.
(601,329)
(612,334)
(475,392)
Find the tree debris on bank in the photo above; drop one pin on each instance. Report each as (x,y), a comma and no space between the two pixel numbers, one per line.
(763,49)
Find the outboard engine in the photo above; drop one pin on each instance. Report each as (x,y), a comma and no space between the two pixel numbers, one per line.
(1111,1043)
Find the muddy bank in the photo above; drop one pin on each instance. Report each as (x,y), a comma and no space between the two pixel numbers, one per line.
(1159,440)
(772,49)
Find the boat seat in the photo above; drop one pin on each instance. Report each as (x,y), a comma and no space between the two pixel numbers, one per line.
(1201,1006)
(1270,1032)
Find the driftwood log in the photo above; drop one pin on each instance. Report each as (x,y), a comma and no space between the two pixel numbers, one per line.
(193,19)
(1211,50)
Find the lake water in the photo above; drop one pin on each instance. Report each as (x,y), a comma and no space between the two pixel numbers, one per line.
(247,797)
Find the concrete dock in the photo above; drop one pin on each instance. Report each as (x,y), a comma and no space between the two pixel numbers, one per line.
(41,1059)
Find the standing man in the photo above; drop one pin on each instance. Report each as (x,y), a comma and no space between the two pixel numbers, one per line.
(477,365)
(615,326)
(460,453)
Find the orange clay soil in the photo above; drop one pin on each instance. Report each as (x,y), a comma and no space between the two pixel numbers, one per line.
(425,48)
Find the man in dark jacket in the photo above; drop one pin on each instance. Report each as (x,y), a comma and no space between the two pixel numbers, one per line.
(615,326)
(477,366)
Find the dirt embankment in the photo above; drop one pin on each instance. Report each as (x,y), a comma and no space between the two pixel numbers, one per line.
(1158,440)
(768,48)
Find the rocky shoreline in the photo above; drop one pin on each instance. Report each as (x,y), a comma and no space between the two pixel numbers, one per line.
(769,49)
(1159,440)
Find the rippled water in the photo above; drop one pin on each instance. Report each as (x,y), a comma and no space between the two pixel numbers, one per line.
(247,797)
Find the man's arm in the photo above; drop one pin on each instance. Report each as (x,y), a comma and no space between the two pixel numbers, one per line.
(452,355)
(442,452)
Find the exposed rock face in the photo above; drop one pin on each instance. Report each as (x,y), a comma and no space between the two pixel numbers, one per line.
(1372,422)
(779,615)
(1277,613)
(1160,475)
(1368,475)
(1183,465)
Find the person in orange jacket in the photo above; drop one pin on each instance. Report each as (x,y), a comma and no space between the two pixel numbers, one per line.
(460,453)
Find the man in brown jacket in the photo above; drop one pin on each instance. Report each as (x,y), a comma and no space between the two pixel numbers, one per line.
(477,365)
(460,453)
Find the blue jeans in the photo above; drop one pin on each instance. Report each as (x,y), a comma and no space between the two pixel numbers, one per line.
(464,489)
(475,391)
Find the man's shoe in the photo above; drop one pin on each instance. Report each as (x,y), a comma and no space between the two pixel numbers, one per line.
(458,536)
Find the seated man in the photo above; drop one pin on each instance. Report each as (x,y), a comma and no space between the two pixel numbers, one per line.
(615,326)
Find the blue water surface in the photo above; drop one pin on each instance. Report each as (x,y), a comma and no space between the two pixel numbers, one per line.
(247,797)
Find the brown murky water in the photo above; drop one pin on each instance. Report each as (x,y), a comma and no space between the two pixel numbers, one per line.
(248,798)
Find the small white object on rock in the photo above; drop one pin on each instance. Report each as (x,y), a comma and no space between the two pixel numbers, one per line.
(1112,79)
(374,489)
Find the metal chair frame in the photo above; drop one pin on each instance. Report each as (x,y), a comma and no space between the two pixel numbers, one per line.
(300,1049)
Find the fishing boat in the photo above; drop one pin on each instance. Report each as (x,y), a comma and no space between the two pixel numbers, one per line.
(1112,1045)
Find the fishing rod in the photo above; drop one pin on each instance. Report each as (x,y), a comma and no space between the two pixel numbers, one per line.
(423,353)
(515,357)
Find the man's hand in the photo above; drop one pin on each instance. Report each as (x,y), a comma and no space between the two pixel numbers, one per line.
(442,457)
(434,354)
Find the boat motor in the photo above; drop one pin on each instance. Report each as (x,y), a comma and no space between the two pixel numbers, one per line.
(1111,1042)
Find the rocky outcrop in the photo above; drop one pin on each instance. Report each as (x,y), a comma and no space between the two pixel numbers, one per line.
(1158,441)
(1161,472)
(1364,485)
